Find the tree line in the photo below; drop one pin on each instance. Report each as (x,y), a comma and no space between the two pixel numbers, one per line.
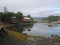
(52,18)
(5,16)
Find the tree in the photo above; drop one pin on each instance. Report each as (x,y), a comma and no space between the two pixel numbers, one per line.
(29,16)
(52,18)
(1,15)
(10,14)
(5,16)
(19,15)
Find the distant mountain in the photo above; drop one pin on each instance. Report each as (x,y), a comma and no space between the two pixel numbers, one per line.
(45,14)
(38,18)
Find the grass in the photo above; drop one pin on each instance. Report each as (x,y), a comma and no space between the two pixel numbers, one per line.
(56,39)
(15,33)
(18,35)
(21,36)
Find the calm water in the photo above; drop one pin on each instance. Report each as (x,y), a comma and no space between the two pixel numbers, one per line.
(42,29)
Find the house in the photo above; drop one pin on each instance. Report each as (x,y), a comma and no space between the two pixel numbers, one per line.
(26,19)
(13,20)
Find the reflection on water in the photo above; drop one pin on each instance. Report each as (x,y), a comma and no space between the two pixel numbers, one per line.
(42,29)
(21,28)
(38,29)
(27,28)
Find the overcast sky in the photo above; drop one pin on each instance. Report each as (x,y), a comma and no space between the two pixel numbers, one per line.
(37,8)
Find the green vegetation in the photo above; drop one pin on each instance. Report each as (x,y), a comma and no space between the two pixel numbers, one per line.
(52,18)
(29,16)
(19,15)
(6,16)
(56,39)
(17,35)
(21,36)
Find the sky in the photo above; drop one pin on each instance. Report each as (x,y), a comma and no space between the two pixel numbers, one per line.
(36,8)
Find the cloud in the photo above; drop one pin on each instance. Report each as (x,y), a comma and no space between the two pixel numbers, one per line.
(33,7)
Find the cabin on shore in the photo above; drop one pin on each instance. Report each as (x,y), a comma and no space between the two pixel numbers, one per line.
(26,19)
(13,20)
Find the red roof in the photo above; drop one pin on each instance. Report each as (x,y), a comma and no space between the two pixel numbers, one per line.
(26,19)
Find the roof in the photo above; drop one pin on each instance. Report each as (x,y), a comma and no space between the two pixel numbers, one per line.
(13,17)
(27,18)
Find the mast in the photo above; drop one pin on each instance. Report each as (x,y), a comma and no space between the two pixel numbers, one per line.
(5,10)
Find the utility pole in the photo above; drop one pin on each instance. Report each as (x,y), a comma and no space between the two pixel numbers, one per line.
(5,12)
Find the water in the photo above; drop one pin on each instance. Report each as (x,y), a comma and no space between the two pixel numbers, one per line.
(42,29)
